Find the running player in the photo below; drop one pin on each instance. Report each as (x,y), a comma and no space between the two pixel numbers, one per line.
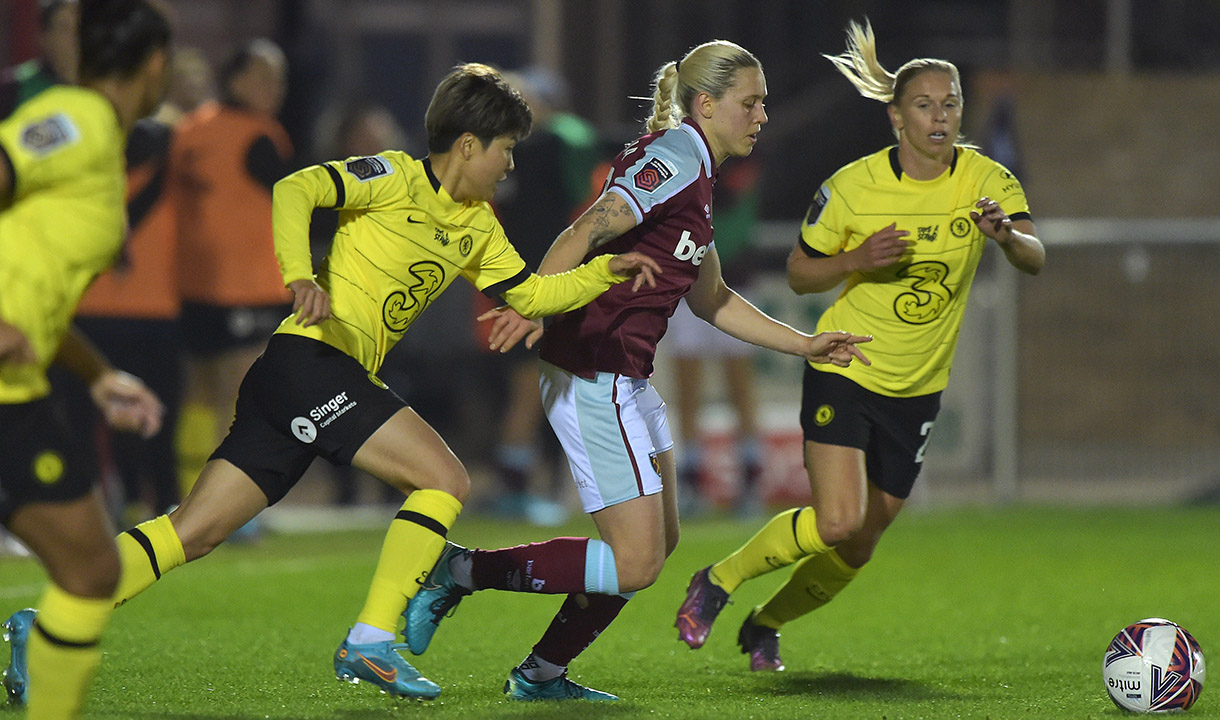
(62,223)
(597,361)
(905,228)
(407,228)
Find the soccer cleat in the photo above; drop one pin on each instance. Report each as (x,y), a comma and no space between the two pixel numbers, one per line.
(381,664)
(519,687)
(761,643)
(436,598)
(704,601)
(16,675)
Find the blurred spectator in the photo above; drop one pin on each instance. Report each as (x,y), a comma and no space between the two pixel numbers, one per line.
(131,311)
(693,344)
(59,54)
(224,159)
(548,189)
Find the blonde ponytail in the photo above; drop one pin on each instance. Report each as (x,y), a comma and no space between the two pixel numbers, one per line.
(859,64)
(664,114)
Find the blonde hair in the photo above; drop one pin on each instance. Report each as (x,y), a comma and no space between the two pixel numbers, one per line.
(708,68)
(859,64)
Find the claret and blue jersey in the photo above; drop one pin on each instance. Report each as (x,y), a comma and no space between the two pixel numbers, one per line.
(666,178)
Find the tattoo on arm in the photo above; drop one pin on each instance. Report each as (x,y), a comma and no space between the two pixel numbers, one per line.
(601,214)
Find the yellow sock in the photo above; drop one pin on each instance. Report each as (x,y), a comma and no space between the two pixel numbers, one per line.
(814,582)
(63,652)
(786,538)
(412,545)
(147,551)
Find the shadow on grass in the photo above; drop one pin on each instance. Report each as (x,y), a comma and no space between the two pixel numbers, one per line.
(847,686)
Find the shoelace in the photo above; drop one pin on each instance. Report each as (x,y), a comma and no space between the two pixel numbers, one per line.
(445,605)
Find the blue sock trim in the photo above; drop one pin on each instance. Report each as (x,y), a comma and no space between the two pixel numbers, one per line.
(601,574)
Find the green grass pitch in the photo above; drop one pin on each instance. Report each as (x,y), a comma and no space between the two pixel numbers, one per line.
(964,613)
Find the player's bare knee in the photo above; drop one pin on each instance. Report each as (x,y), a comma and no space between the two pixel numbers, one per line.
(838,528)
(96,576)
(637,573)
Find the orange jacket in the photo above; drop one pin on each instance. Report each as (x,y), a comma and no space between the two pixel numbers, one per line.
(223,162)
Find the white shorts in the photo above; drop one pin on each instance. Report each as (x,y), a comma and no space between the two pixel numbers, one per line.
(611,428)
(689,335)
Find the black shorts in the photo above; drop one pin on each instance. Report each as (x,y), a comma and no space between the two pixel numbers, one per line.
(208,330)
(40,458)
(893,432)
(302,399)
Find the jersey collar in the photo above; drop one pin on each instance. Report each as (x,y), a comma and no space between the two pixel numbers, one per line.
(436,183)
(690,127)
(897,167)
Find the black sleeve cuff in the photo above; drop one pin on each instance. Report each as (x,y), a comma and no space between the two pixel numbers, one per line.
(810,251)
(495,291)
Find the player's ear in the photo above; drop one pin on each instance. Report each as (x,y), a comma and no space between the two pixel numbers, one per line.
(895,117)
(465,145)
(704,104)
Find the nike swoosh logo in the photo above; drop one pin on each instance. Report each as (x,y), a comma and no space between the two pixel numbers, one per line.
(411,219)
(384,674)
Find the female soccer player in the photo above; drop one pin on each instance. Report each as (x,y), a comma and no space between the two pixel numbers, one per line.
(905,228)
(597,361)
(407,229)
(62,223)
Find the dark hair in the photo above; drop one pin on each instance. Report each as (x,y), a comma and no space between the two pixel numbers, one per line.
(117,36)
(47,10)
(475,98)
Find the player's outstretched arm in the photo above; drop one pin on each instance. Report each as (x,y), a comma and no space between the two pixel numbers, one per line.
(836,348)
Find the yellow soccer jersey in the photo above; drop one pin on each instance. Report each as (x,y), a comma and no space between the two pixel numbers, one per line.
(913,308)
(63,224)
(400,242)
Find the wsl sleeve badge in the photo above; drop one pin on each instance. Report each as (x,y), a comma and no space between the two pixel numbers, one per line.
(368,168)
(49,134)
(652,175)
(1153,665)
(820,199)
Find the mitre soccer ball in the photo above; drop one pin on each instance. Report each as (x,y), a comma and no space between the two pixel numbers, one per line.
(1153,665)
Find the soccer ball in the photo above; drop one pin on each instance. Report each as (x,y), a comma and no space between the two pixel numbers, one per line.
(1153,665)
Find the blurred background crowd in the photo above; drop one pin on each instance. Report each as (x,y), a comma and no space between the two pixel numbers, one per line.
(1095,382)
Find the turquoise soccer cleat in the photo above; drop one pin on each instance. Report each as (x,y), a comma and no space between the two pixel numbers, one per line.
(382,665)
(16,675)
(519,687)
(436,598)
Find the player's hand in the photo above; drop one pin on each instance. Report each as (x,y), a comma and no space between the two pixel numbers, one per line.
(509,328)
(883,248)
(15,347)
(993,221)
(310,303)
(127,403)
(836,348)
(644,268)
